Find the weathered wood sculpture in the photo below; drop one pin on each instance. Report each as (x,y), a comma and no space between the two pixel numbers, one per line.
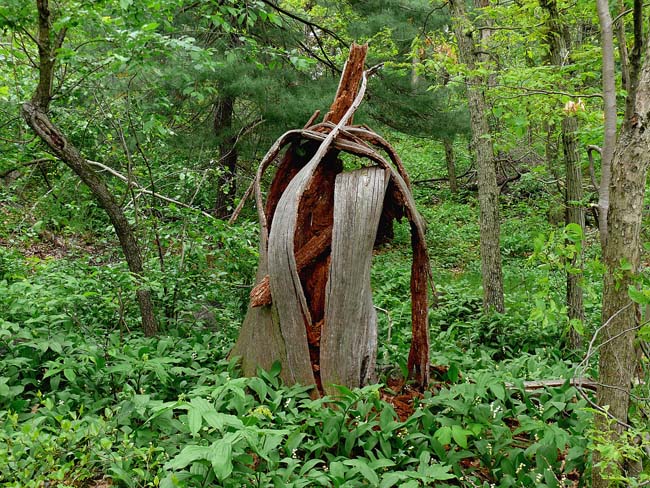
(312,308)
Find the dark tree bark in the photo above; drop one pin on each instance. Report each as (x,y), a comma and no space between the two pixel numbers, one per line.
(557,37)
(35,114)
(621,316)
(451,164)
(575,214)
(488,190)
(226,184)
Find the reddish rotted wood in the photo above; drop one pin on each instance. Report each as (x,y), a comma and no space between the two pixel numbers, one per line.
(347,90)
(317,245)
(418,360)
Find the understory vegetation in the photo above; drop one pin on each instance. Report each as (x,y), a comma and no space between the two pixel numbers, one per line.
(144,235)
(84,397)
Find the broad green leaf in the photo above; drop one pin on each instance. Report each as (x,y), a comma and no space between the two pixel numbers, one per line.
(364,469)
(499,391)
(460,435)
(438,472)
(194,420)
(574,232)
(391,479)
(188,455)
(637,295)
(70,374)
(443,435)
(221,458)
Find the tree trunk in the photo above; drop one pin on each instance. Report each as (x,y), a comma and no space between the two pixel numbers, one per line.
(488,190)
(609,97)
(451,164)
(226,184)
(349,331)
(35,114)
(621,316)
(575,214)
(558,41)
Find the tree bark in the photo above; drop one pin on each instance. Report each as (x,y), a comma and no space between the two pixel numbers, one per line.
(488,190)
(575,214)
(621,316)
(609,98)
(226,184)
(558,41)
(451,164)
(35,114)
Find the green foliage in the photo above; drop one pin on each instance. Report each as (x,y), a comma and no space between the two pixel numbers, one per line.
(172,411)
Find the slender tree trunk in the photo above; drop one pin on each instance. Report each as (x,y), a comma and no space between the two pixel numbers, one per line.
(451,164)
(227,179)
(575,214)
(621,316)
(609,97)
(488,190)
(558,41)
(35,114)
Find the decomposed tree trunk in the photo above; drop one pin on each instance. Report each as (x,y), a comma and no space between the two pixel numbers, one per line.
(618,360)
(313,313)
(488,190)
(226,184)
(35,114)
(575,214)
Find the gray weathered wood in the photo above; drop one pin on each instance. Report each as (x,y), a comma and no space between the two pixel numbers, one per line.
(289,301)
(349,334)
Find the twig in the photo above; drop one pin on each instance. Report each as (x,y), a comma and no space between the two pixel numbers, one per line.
(304,21)
(120,176)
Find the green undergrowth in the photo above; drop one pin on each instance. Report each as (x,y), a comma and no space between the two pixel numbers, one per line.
(172,411)
(84,397)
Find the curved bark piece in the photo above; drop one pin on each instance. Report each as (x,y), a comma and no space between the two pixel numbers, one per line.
(287,291)
(349,333)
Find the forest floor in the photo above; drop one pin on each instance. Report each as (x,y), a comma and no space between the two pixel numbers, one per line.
(86,400)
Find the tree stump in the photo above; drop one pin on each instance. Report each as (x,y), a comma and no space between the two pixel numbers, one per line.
(312,309)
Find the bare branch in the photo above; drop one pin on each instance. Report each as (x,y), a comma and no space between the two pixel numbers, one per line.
(141,189)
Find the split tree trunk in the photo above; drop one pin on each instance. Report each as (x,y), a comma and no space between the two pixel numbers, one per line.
(312,308)
(349,332)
